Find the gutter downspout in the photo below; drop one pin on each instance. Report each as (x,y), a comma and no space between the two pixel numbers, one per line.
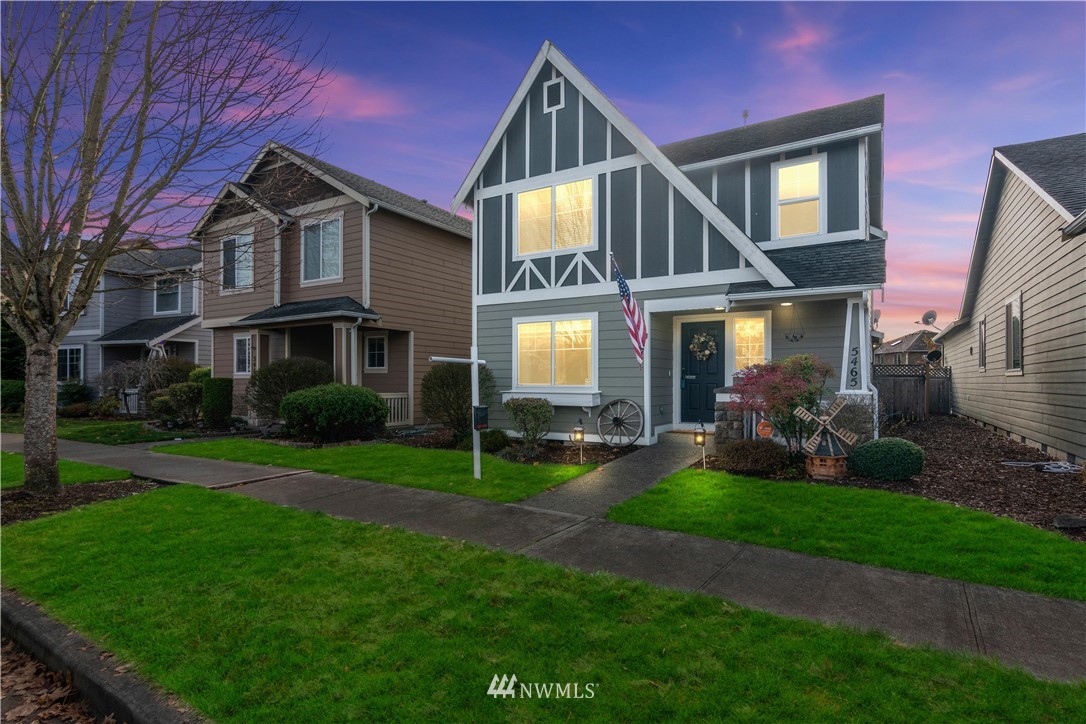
(366,255)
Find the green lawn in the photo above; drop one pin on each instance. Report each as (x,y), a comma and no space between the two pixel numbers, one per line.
(445,470)
(252,612)
(11,472)
(103,432)
(866,526)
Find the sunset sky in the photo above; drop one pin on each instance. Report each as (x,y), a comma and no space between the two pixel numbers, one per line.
(417,89)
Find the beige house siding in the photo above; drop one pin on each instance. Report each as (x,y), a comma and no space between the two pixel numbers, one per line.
(350,285)
(1044,406)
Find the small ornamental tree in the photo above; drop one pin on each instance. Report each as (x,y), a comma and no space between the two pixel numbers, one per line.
(446,395)
(778,387)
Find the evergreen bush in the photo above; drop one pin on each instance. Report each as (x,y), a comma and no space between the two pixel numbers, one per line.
(446,395)
(186,398)
(754,457)
(218,401)
(73,391)
(328,413)
(531,420)
(12,395)
(269,385)
(888,458)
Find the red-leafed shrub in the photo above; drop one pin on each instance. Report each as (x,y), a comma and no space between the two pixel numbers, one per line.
(775,389)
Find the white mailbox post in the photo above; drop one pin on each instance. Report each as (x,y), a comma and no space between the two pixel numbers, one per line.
(474,362)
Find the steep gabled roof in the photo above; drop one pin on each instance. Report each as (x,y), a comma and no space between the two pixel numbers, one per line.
(549,53)
(911,342)
(142,262)
(1057,165)
(821,122)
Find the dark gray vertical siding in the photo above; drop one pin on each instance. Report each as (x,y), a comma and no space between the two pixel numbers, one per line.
(843,186)
(568,134)
(492,245)
(731,192)
(620,145)
(797,153)
(543,265)
(654,223)
(595,134)
(703,179)
(511,266)
(874,175)
(624,220)
(514,146)
(689,236)
(598,258)
(761,205)
(492,171)
(539,126)
(561,263)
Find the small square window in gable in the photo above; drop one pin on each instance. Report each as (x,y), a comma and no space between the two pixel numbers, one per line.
(554,95)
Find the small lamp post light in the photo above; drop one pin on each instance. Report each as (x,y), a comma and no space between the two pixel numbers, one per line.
(578,437)
(699,440)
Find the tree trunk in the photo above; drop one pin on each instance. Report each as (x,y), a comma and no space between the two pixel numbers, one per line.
(40,420)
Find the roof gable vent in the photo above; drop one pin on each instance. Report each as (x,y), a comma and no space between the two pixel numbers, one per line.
(554,95)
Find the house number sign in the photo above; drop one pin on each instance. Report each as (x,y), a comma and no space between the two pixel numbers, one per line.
(854,368)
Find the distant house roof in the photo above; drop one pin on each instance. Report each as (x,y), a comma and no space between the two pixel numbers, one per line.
(912,342)
(1057,165)
(386,196)
(142,262)
(837,264)
(146,330)
(316,309)
(777,132)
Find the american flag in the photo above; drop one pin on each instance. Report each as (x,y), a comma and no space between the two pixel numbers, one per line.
(635,323)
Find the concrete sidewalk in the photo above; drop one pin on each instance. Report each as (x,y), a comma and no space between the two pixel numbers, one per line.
(1046,636)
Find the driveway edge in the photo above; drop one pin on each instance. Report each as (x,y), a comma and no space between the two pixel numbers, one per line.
(109,687)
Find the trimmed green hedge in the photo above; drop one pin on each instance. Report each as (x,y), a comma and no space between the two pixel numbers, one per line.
(754,457)
(328,413)
(218,401)
(269,386)
(888,458)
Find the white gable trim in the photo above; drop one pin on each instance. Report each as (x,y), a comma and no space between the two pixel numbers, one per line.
(1033,185)
(747,248)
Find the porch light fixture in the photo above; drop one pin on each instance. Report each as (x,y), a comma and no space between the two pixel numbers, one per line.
(699,440)
(578,437)
(718,309)
(786,304)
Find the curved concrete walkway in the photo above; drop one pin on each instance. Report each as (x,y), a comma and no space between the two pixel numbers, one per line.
(1046,636)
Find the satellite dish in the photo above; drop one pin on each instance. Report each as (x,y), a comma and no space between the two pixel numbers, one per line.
(934,356)
(929,317)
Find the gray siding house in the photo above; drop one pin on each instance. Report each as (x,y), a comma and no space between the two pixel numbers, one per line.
(764,239)
(148,303)
(1018,347)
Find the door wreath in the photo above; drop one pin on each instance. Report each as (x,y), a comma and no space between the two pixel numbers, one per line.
(703,345)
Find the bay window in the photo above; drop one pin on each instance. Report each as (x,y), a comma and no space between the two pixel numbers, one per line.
(555,218)
(322,250)
(799,197)
(555,352)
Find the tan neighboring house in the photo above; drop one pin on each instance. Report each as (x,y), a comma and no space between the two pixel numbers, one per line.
(911,349)
(1018,347)
(306,259)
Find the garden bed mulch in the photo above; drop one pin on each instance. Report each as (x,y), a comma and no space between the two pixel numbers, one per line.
(34,693)
(18,505)
(550,452)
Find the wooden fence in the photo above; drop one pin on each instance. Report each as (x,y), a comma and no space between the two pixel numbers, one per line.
(912,392)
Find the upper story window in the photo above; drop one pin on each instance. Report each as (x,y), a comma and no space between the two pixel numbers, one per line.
(69,364)
(322,250)
(555,352)
(555,218)
(799,195)
(237,262)
(1013,316)
(167,296)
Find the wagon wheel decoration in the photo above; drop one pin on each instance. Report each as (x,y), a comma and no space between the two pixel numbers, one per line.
(825,427)
(620,423)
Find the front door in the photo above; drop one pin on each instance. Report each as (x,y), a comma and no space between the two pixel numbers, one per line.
(702,370)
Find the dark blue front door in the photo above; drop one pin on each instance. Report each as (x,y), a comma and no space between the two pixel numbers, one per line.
(698,379)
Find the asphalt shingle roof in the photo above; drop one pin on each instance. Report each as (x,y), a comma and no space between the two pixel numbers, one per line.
(152,261)
(1057,165)
(837,264)
(912,342)
(798,127)
(389,197)
(331,307)
(146,329)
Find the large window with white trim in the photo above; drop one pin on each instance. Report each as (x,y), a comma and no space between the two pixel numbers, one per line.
(69,364)
(322,250)
(167,296)
(555,218)
(237,262)
(555,352)
(799,197)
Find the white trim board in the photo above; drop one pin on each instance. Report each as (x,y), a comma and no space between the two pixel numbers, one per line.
(1067,215)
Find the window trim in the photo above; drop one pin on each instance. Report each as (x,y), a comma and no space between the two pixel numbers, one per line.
(316,220)
(223,289)
(982,343)
(592,388)
(1015,298)
(366,353)
(774,196)
(82,361)
(177,283)
(561,83)
(594,245)
(249,339)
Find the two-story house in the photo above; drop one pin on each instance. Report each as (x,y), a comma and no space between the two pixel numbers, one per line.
(911,349)
(147,304)
(740,246)
(306,259)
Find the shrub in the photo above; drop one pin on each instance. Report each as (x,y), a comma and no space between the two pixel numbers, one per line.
(754,457)
(163,408)
(888,458)
(446,395)
(12,395)
(186,398)
(328,413)
(166,371)
(76,409)
(218,401)
(200,374)
(104,406)
(531,420)
(268,386)
(490,441)
(778,387)
(73,391)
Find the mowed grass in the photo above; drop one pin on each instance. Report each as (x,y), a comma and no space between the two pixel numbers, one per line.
(102,432)
(253,612)
(12,474)
(866,526)
(449,471)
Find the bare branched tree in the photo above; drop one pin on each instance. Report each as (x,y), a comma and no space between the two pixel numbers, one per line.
(117,118)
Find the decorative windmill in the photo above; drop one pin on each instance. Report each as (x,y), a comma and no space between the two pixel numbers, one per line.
(826,449)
